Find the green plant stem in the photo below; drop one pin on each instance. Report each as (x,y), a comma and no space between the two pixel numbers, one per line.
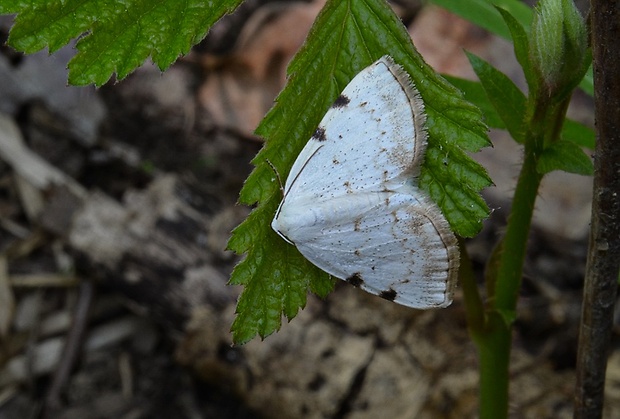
(494,352)
(515,241)
(555,133)
(494,343)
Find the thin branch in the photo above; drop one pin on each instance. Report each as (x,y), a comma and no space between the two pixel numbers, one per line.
(72,348)
(604,252)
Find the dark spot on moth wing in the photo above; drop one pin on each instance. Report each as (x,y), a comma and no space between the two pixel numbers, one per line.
(389,295)
(347,185)
(341,102)
(396,218)
(357,224)
(319,134)
(355,280)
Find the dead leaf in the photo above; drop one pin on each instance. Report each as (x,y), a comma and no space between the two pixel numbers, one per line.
(240,88)
(441,38)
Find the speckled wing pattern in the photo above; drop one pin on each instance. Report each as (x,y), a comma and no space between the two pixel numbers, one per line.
(351,204)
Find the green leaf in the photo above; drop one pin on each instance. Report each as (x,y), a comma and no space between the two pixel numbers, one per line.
(587,84)
(547,39)
(474,92)
(521,47)
(121,34)
(559,49)
(566,156)
(347,37)
(578,133)
(507,99)
(484,13)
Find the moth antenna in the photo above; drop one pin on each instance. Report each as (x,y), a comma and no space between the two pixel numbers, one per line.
(277,175)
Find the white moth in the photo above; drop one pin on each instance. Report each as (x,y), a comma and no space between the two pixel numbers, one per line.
(351,202)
